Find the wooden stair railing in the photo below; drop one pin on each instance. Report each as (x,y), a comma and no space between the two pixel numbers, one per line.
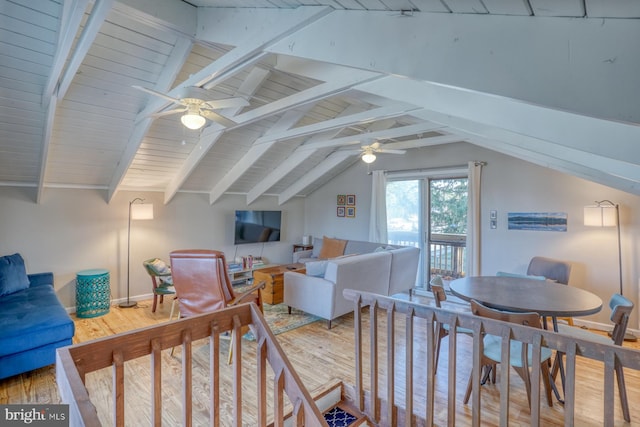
(380,407)
(76,361)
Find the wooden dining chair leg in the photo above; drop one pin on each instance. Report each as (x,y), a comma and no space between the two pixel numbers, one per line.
(546,379)
(467,393)
(441,333)
(622,390)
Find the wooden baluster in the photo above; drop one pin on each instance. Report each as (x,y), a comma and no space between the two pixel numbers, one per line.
(214,373)
(187,379)
(536,360)
(118,388)
(261,354)
(373,376)
(570,383)
(475,373)
(156,380)
(298,413)
(237,370)
(609,390)
(430,368)
(391,353)
(357,322)
(505,374)
(453,343)
(278,404)
(408,398)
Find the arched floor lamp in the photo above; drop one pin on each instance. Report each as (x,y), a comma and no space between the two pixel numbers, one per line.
(136,211)
(605,213)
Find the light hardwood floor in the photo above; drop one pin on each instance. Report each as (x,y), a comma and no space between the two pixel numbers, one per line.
(321,357)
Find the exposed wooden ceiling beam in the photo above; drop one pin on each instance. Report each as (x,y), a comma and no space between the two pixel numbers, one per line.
(176,60)
(293,160)
(333,160)
(381,134)
(287,120)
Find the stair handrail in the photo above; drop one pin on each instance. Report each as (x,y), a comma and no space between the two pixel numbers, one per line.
(74,362)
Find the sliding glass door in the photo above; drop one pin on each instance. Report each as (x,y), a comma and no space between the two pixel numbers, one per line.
(430,212)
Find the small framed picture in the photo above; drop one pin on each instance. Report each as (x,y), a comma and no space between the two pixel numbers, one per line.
(342,199)
(351,212)
(340,210)
(351,199)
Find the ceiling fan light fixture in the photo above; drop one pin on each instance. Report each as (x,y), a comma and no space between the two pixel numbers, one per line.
(368,157)
(193,120)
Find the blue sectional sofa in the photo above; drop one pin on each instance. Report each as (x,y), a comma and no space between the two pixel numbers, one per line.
(33,322)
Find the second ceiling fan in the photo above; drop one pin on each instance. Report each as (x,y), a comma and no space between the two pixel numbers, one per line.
(197,105)
(368,151)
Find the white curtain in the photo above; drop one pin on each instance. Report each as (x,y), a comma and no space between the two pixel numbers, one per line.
(473,219)
(378,219)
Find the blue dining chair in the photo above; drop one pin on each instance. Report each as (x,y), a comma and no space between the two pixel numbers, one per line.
(521,353)
(442,329)
(621,308)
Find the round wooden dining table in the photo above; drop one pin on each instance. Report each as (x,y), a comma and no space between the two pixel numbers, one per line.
(524,294)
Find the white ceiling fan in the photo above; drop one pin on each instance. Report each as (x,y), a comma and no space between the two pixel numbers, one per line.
(368,151)
(197,106)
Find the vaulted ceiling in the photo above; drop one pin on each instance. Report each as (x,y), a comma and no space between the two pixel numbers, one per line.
(553,82)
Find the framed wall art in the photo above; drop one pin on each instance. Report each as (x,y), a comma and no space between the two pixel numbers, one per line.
(340,211)
(351,199)
(351,212)
(537,221)
(342,200)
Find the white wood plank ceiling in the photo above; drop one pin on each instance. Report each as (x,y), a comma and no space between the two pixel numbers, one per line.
(322,78)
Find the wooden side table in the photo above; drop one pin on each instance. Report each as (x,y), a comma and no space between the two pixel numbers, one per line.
(273,292)
(302,247)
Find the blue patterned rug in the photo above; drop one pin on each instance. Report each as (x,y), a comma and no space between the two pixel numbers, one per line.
(279,319)
(338,417)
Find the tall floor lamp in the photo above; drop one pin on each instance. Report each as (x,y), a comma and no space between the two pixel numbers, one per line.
(605,213)
(136,211)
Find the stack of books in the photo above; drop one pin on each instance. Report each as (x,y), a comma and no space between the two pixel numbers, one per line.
(234,266)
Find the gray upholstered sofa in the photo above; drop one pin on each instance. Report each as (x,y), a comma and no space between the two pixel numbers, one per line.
(367,266)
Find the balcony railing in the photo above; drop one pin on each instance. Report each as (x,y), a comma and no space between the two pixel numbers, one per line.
(447,252)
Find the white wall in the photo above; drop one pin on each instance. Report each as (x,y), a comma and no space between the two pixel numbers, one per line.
(509,185)
(73,230)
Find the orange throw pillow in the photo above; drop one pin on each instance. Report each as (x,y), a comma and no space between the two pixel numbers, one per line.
(331,248)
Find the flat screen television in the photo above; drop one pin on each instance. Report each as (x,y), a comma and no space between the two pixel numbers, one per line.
(257,226)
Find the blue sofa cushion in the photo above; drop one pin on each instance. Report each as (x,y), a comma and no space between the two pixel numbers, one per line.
(32,318)
(13,274)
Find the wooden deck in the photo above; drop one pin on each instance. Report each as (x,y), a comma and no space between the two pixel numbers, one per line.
(321,357)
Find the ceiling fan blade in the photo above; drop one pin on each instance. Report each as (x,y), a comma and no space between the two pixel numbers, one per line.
(382,150)
(166,113)
(156,93)
(226,103)
(212,115)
